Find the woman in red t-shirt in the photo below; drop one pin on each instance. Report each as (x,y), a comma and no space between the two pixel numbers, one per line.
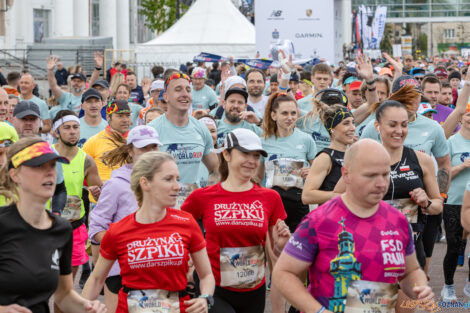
(237,214)
(153,246)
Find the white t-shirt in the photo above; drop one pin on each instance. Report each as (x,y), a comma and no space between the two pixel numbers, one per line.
(259,106)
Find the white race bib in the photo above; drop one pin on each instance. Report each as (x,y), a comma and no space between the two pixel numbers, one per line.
(72,209)
(184,192)
(406,206)
(153,301)
(241,267)
(371,297)
(285,173)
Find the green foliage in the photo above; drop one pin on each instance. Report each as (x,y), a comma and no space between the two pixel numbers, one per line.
(161,14)
(386,44)
(422,44)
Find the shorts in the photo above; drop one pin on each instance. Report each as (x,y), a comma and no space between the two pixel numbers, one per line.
(79,255)
(114,283)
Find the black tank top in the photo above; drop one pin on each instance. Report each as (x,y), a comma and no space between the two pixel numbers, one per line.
(405,176)
(337,160)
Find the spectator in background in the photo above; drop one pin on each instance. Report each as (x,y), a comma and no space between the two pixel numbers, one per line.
(211,84)
(137,94)
(61,74)
(3,81)
(454,79)
(445,97)
(152,114)
(117,80)
(13,83)
(12,102)
(27,85)
(4,105)
(157,71)
(408,64)
(215,73)
(273,84)
(441,73)
(203,96)
(113,70)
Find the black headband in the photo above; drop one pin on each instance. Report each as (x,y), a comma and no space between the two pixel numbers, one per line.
(339,115)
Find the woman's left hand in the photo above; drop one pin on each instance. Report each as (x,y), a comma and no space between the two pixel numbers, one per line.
(196,305)
(94,306)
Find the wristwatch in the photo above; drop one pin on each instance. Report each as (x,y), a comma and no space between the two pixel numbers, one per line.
(210,300)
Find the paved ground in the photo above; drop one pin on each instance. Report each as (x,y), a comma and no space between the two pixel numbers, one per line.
(437,279)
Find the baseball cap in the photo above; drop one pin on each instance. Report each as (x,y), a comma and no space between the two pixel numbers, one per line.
(25,108)
(78,75)
(385,71)
(157,85)
(294,77)
(244,140)
(8,135)
(332,96)
(350,80)
(36,154)
(417,72)
(440,72)
(404,80)
(232,80)
(142,136)
(101,82)
(91,93)
(240,91)
(425,107)
(355,85)
(117,106)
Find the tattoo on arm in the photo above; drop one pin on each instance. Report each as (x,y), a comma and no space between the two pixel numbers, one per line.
(443,180)
(87,163)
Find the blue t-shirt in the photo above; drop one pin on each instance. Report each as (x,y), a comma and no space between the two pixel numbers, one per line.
(137,95)
(187,144)
(87,131)
(315,128)
(43,108)
(224,128)
(459,150)
(70,102)
(424,135)
(204,98)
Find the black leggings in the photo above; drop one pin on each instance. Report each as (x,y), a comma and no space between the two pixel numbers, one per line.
(430,232)
(295,209)
(419,249)
(455,243)
(227,301)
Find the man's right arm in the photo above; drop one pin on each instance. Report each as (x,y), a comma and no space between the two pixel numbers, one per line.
(56,91)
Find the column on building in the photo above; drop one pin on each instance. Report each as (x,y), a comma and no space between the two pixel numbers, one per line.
(122,15)
(347,21)
(81,18)
(108,20)
(63,18)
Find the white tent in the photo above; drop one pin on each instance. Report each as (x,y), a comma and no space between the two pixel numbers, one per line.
(213,26)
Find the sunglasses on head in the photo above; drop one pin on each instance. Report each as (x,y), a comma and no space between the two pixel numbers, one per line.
(177,76)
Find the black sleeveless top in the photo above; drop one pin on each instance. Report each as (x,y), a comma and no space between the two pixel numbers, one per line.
(337,160)
(405,176)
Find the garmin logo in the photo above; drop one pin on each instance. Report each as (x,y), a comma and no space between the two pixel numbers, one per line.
(308,35)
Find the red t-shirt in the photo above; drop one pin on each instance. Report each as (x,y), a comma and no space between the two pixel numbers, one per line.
(152,256)
(235,220)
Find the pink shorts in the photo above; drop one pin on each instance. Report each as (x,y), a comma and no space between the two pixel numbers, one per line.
(79,255)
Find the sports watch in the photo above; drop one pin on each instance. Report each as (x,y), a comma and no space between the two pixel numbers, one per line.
(210,300)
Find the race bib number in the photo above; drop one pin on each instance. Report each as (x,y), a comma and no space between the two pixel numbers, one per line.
(241,267)
(72,209)
(184,192)
(371,297)
(406,206)
(153,301)
(286,173)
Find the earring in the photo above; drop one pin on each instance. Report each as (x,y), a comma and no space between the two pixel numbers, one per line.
(332,131)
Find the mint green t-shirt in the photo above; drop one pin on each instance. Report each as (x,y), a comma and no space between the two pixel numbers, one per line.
(43,108)
(135,109)
(204,98)
(306,103)
(187,144)
(360,128)
(223,128)
(87,131)
(459,150)
(424,135)
(315,128)
(70,102)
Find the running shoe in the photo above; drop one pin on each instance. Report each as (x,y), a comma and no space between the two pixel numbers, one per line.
(466,289)
(448,293)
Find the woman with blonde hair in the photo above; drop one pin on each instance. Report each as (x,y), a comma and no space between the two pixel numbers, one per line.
(153,245)
(35,244)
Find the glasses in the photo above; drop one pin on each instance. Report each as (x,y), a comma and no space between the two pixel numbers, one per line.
(5,143)
(177,76)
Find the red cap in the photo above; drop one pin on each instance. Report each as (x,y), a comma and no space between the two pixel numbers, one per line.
(355,85)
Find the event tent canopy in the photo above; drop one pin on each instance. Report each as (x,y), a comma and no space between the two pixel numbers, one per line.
(213,26)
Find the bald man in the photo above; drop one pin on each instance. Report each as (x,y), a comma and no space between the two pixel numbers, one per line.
(4,105)
(27,85)
(353,243)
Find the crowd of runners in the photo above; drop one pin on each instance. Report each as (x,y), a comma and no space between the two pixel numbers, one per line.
(215,186)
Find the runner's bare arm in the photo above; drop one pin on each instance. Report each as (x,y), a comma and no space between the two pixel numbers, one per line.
(207,281)
(414,283)
(286,278)
(465,215)
(320,168)
(92,177)
(453,119)
(443,174)
(212,163)
(55,89)
(98,65)
(95,282)
(430,183)
(365,71)
(46,126)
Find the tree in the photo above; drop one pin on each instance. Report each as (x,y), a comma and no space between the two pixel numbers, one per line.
(422,44)
(385,44)
(161,14)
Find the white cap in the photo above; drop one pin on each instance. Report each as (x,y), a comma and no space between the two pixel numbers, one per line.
(232,80)
(425,107)
(142,136)
(157,85)
(244,140)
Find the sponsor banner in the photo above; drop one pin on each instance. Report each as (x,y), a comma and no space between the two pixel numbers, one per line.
(308,25)
(406,45)
(378,26)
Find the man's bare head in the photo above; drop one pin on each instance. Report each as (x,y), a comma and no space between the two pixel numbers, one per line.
(27,84)
(366,173)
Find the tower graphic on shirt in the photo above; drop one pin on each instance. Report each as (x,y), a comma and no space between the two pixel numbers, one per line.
(344,268)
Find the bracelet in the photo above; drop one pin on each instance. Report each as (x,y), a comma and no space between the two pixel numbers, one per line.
(321,309)
(372,89)
(429,204)
(281,88)
(371,82)
(98,68)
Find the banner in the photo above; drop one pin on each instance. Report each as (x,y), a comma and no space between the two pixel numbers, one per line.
(378,26)
(309,25)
